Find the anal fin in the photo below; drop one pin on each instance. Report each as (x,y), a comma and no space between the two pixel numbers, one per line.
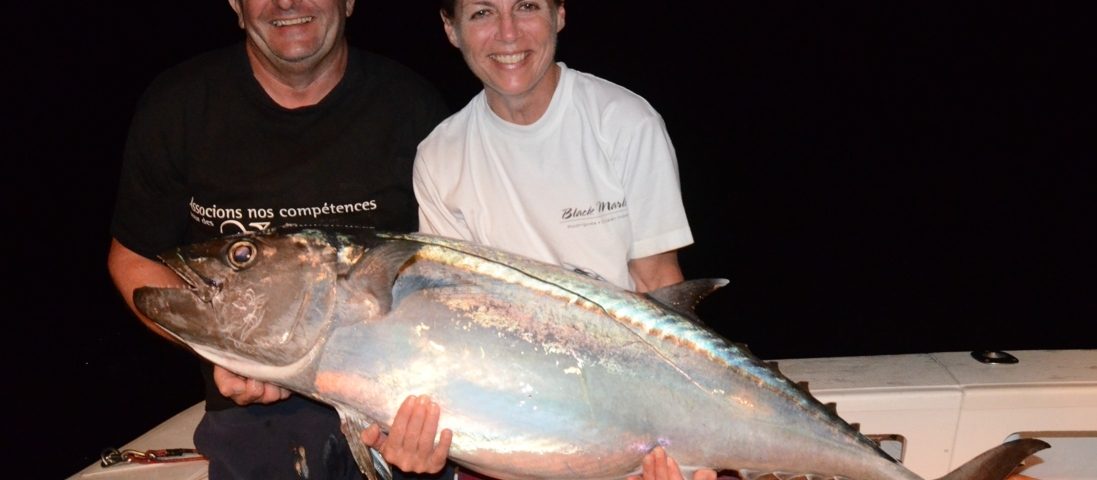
(370,462)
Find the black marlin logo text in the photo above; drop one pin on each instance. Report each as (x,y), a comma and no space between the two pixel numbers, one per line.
(599,208)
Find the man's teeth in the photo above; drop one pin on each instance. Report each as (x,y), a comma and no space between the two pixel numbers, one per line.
(512,58)
(290,22)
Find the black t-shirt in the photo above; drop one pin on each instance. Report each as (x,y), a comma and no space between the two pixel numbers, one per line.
(209,154)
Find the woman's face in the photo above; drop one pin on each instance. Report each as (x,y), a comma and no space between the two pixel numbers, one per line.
(510,45)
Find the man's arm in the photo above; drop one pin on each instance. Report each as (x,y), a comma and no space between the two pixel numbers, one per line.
(655,271)
(130,271)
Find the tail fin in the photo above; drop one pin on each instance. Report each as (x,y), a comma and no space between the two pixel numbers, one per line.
(996,463)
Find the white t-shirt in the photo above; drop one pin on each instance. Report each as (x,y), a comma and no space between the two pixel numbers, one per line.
(591,185)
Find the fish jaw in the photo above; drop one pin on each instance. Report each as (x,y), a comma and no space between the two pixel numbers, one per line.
(181,311)
(174,309)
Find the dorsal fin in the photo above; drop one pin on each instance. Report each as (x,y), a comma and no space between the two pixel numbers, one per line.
(683,297)
(832,407)
(803,384)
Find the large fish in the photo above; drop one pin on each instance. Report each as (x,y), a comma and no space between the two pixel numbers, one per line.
(541,372)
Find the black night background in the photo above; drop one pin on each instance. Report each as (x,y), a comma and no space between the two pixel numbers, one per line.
(872,177)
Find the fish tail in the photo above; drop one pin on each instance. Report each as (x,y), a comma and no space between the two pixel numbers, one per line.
(998,462)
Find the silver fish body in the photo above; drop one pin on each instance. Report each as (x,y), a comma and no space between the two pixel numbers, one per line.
(541,372)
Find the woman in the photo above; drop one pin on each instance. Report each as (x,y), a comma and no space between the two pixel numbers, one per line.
(550,163)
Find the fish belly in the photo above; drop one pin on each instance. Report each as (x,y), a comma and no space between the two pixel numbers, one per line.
(535,385)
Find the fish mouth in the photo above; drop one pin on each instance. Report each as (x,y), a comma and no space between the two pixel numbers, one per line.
(203,287)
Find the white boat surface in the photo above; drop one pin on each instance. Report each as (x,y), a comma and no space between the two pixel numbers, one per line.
(932,411)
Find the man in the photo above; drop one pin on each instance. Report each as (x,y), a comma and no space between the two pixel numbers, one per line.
(290,126)
(546,162)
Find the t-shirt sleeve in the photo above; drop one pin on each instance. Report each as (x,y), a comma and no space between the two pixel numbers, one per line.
(146,217)
(434,217)
(649,171)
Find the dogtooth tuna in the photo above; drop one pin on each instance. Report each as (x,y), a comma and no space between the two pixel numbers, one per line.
(541,372)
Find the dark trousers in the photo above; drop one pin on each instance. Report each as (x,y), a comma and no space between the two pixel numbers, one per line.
(293,439)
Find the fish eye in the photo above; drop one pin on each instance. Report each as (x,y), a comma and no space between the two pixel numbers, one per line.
(242,254)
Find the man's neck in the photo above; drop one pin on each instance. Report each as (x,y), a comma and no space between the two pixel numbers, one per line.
(295,86)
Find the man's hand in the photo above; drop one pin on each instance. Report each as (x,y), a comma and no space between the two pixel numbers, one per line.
(246,391)
(658,466)
(409,445)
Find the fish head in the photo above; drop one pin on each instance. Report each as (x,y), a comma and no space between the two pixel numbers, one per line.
(253,301)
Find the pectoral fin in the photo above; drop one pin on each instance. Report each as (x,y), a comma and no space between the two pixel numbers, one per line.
(376,269)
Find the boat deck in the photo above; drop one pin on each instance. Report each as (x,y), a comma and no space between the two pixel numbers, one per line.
(933,411)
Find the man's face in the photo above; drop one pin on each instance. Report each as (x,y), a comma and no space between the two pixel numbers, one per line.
(509,45)
(292,34)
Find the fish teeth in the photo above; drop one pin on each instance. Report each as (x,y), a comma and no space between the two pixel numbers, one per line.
(291,21)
